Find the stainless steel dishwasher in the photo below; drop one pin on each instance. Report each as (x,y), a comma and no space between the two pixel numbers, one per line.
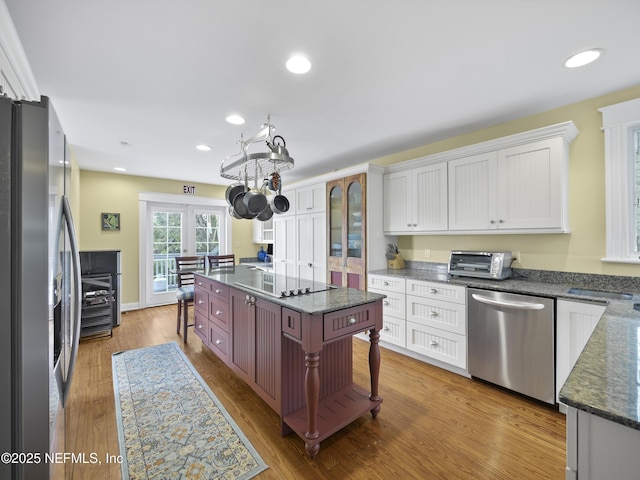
(512,341)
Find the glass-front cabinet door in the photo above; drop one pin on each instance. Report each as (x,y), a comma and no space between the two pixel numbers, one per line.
(346,225)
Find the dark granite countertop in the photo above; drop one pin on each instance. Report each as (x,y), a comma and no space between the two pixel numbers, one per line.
(604,380)
(337,298)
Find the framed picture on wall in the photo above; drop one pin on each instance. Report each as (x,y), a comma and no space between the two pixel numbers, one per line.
(110,221)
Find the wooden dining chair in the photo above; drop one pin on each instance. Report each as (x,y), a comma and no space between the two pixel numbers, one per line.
(222,260)
(185,273)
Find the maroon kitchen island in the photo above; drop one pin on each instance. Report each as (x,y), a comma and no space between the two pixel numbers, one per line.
(295,351)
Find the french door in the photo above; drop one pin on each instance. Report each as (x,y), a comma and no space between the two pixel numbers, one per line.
(173,230)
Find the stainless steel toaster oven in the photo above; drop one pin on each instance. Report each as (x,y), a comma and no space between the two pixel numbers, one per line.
(492,265)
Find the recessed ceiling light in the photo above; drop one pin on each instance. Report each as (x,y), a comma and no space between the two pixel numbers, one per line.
(582,58)
(235,119)
(120,169)
(298,64)
(203,147)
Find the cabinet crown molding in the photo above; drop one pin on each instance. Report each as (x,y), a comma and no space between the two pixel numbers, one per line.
(565,130)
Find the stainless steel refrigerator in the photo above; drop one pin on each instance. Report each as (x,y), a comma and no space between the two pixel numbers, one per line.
(39,294)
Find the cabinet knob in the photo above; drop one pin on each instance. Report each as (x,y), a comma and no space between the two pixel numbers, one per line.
(218,342)
(433,290)
(385,283)
(352,321)
(200,302)
(200,326)
(310,265)
(218,312)
(433,314)
(386,302)
(408,224)
(500,221)
(385,329)
(200,283)
(433,343)
(218,290)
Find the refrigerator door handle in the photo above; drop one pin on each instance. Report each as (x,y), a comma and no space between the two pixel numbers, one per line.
(77,296)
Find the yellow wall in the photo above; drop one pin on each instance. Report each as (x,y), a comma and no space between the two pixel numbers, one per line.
(106,192)
(579,251)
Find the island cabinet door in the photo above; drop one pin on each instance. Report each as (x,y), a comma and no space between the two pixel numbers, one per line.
(256,340)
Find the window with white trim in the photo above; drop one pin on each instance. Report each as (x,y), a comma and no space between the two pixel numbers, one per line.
(621,125)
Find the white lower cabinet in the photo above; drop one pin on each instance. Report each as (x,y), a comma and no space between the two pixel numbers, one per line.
(427,318)
(598,448)
(575,322)
(437,321)
(393,307)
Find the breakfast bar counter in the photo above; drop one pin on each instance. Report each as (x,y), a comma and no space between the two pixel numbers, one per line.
(291,341)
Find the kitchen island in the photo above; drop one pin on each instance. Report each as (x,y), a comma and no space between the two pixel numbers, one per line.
(291,342)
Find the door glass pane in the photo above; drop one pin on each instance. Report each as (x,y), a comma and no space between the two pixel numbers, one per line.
(167,244)
(354,220)
(335,223)
(207,232)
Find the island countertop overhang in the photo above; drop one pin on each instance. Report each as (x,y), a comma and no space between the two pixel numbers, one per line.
(335,298)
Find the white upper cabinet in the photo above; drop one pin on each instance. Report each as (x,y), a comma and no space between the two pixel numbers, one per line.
(310,199)
(473,201)
(416,199)
(515,184)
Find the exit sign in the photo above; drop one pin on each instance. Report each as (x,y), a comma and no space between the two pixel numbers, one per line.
(189,189)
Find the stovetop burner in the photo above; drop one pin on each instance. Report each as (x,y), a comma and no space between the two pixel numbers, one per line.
(281,286)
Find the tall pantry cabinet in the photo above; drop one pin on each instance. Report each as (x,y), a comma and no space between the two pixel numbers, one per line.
(346,218)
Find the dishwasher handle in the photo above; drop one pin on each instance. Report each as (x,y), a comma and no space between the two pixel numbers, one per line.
(506,304)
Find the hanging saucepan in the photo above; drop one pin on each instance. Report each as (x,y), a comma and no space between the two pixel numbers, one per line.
(279,203)
(255,200)
(233,190)
(240,208)
(265,214)
(233,213)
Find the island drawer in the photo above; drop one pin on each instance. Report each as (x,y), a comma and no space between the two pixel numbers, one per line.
(349,321)
(219,312)
(201,282)
(200,300)
(291,323)
(220,290)
(201,325)
(219,341)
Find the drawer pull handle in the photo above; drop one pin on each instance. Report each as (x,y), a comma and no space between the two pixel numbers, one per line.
(218,342)
(385,283)
(352,321)
(386,302)
(385,329)
(433,343)
(218,312)
(433,314)
(433,290)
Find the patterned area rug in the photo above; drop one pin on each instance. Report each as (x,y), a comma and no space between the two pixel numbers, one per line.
(171,425)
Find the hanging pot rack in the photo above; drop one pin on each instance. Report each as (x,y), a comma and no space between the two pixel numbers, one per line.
(245,166)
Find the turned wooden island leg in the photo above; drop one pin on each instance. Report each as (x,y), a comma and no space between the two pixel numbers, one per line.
(374,368)
(312,388)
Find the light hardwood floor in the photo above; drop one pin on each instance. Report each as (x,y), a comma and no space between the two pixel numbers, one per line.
(433,424)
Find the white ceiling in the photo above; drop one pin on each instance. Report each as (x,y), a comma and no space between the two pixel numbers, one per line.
(387,76)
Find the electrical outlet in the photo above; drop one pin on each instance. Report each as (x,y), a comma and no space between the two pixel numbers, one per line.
(516,257)
(427,253)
